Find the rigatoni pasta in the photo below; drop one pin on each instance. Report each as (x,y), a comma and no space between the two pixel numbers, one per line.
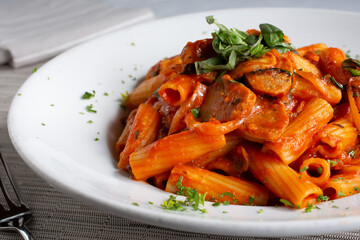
(246,118)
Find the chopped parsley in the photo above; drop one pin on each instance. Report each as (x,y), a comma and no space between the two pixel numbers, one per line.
(225,212)
(322,198)
(125,97)
(338,179)
(135,203)
(193,199)
(19,94)
(334,206)
(332,163)
(34,70)
(173,204)
(106,94)
(229,194)
(90,122)
(216,204)
(81,113)
(88,95)
(132,44)
(260,211)
(251,199)
(89,108)
(195,112)
(226,203)
(96,139)
(151,203)
(341,194)
(310,207)
(52,105)
(320,170)
(304,169)
(43,124)
(356,189)
(287,202)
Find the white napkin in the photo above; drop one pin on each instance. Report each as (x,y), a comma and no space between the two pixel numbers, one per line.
(31,31)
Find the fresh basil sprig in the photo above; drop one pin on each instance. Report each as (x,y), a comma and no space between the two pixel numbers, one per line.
(233,46)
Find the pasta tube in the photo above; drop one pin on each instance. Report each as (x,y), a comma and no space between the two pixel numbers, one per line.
(143,132)
(344,184)
(121,142)
(218,187)
(297,137)
(336,138)
(316,170)
(194,101)
(282,179)
(177,90)
(163,154)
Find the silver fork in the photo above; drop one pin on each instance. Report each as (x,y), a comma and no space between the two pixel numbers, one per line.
(18,214)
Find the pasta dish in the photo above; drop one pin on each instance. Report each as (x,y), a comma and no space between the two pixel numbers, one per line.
(247,118)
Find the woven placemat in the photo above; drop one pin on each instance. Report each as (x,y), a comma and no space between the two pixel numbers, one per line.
(57,216)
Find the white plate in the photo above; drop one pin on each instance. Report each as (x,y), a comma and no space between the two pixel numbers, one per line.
(58,143)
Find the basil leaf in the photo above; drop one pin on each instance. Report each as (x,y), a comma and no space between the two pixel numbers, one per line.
(352,66)
(272,35)
(274,38)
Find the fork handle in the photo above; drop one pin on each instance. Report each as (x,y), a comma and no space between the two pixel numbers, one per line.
(25,233)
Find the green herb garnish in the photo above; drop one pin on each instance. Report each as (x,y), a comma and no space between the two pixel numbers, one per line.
(352,65)
(320,170)
(309,208)
(216,204)
(193,199)
(287,202)
(125,97)
(304,169)
(88,95)
(260,211)
(195,112)
(332,163)
(34,70)
(90,122)
(251,199)
(233,46)
(356,189)
(173,204)
(135,203)
(96,139)
(338,179)
(336,83)
(322,198)
(226,203)
(89,108)
(341,194)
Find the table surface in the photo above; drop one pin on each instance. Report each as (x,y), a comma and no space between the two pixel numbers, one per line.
(57,216)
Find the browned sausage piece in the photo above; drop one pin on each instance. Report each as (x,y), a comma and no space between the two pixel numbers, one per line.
(268,123)
(227,100)
(274,82)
